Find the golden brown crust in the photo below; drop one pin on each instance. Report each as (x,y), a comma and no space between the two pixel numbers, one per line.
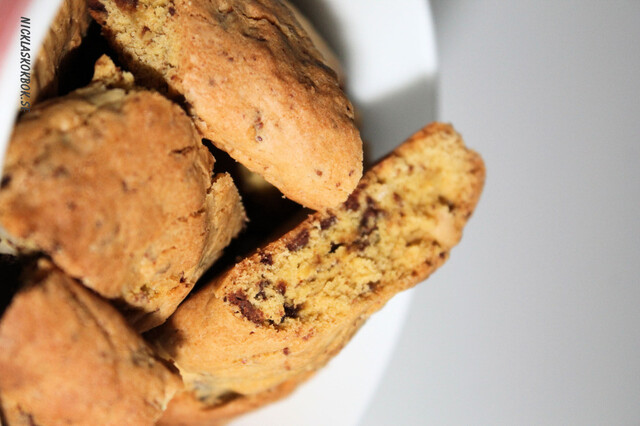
(65,34)
(68,357)
(320,43)
(287,309)
(254,84)
(116,186)
(185,410)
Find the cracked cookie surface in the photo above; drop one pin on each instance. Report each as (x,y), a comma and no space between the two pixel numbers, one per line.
(254,84)
(115,185)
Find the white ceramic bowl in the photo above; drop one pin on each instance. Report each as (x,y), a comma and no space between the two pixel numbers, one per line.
(388,51)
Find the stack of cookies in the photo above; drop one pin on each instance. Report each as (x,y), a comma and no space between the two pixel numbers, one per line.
(148,277)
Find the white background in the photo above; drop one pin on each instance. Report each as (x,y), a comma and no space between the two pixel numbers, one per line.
(536,317)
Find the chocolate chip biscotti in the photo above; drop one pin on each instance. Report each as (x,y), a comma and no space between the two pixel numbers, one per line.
(115,185)
(68,357)
(286,310)
(254,84)
(187,410)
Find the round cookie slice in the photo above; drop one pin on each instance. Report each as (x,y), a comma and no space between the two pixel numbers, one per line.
(114,184)
(282,313)
(254,84)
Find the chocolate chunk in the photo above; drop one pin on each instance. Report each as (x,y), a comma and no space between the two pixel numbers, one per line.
(326,223)
(368,223)
(360,244)
(250,312)
(285,351)
(96,6)
(261,294)
(299,241)
(450,205)
(281,287)
(352,202)
(228,397)
(373,285)
(290,311)
(129,5)
(258,124)
(172,10)
(369,220)
(6,180)
(266,258)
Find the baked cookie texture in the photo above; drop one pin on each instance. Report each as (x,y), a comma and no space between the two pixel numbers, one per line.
(186,410)
(115,185)
(252,81)
(68,357)
(283,312)
(64,35)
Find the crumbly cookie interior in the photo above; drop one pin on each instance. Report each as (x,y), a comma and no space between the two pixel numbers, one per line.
(143,34)
(405,214)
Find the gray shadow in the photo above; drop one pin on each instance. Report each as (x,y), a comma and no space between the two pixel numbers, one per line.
(388,121)
(327,25)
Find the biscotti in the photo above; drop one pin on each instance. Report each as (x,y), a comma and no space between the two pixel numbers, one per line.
(287,309)
(186,410)
(115,185)
(64,35)
(254,84)
(68,357)
(318,41)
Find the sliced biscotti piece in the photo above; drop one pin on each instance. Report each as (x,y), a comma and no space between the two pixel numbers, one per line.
(68,357)
(186,410)
(254,84)
(287,309)
(115,185)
